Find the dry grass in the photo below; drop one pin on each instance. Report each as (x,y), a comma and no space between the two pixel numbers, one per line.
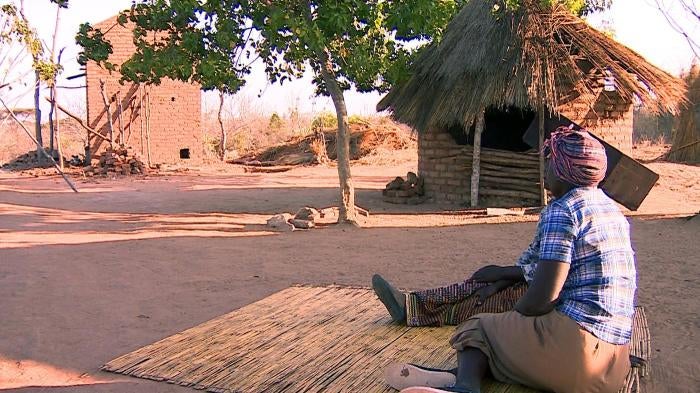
(525,58)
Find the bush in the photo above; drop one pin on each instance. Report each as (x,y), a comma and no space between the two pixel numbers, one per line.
(324,120)
(275,122)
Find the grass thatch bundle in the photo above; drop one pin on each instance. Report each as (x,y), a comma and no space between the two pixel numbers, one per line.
(491,56)
(686,138)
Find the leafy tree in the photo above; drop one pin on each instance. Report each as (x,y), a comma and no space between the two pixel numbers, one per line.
(20,31)
(346,43)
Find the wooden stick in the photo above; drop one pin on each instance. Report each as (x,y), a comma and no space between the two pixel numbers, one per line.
(505,154)
(108,108)
(141,117)
(37,117)
(668,154)
(476,159)
(80,121)
(543,193)
(132,104)
(40,148)
(148,125)
(121,119)
(507,179)
(510,193)
(534,170)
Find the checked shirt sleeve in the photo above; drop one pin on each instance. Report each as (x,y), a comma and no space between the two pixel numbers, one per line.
(557,235)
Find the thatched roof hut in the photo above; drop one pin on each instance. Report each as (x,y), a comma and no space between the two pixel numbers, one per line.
(521,58)
(527,61)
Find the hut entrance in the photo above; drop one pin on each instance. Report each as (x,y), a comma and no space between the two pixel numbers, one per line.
(503,130)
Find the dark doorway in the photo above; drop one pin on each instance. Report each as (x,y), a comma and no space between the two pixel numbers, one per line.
(503,129)
(185,154)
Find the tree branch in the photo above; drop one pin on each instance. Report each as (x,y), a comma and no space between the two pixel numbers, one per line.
(39,147)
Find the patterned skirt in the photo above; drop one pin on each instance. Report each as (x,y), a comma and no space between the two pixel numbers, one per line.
(454,304)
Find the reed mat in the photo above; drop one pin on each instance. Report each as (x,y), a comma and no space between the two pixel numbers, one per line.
(309,339)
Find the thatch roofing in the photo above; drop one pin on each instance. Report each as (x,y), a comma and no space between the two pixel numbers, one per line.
(525,58)
(686,138)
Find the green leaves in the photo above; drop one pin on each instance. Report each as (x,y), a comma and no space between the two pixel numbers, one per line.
(16,29)
(94,45)
(215,42)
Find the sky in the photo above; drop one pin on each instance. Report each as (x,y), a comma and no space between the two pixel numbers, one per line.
(635,23)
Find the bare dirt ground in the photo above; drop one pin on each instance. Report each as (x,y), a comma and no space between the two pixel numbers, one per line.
(87,277)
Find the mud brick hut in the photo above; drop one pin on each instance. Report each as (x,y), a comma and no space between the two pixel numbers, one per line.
(498,72)
(162,123)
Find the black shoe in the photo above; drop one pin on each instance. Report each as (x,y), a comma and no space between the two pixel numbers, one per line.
(393,299)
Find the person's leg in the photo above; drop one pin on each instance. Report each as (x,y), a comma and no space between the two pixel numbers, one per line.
(472,366)
(393,299)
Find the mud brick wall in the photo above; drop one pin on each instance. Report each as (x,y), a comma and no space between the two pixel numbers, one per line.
(445,170)
(611,118)
(175,108)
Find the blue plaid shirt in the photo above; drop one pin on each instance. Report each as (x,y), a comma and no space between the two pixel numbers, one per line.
(586,229)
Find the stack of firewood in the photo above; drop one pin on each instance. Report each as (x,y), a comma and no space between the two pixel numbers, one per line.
(117,161)
(405,191)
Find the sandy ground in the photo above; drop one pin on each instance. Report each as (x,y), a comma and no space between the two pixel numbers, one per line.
(87,277)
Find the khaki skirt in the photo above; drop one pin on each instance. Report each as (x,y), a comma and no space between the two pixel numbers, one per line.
(549,352)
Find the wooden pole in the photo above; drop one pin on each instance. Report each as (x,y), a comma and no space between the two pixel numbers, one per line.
(80,121)
(543,192)
(108,109)
(39,147)
(56,113)
(142,113)
(132,111)
(148,125)
(120,108)
(476,159)
(37,119)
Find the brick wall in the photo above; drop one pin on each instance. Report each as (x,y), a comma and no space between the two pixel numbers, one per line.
(611,118)
(175,108)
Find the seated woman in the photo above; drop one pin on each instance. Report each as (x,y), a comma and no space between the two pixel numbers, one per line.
(570,331)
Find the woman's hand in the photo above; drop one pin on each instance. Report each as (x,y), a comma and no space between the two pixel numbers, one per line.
(490,273)
(484,293)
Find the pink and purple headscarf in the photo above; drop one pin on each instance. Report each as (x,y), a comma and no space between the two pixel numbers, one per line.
(576,157)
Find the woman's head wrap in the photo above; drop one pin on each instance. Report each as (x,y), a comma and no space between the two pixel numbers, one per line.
(576,157)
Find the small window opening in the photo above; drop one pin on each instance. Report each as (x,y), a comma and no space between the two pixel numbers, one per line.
(184,154)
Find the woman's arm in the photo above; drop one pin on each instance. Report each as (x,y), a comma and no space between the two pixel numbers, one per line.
(492,289)
(543,292)
(493,273)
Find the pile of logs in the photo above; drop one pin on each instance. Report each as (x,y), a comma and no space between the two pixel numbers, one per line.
(409,191)
(117,161)
(506,174)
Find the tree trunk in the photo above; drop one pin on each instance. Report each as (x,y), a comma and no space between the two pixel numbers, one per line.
(223,141)
(52,126)
(348,213)
(37,119)
(476,159)
(52,130)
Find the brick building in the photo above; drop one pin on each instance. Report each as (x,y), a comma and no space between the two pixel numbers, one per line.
(162,123)
(507,71)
